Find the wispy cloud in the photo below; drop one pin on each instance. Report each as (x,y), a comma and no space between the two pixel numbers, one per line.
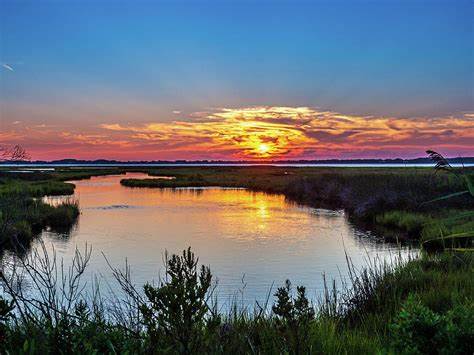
(8,67)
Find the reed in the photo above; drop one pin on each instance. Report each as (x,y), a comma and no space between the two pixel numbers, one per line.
(385,307)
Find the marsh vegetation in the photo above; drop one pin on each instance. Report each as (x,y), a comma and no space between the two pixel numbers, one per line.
(419,305)
(23,214)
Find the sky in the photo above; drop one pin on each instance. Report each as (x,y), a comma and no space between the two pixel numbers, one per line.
(237,80)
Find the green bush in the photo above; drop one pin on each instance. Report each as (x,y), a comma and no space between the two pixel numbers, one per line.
(419,330)
(294,317)
(460,329)
(175,314)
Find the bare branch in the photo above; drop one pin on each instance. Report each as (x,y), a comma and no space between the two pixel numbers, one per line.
(15,153)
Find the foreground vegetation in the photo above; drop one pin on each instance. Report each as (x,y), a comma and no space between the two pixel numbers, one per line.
(424,305)
(420,306)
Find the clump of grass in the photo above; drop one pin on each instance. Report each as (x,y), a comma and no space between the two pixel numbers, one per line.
(60,216)
(22,218)
(22,213)
(165,183)
(411,223)
(36,188)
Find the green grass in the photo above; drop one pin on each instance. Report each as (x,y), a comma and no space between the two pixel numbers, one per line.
(22,214)
(22,218)
(64,174)
(425,305)
(409,222)
(36,188)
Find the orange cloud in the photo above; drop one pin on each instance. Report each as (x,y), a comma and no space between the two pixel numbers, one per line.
(253,133)
(278,132)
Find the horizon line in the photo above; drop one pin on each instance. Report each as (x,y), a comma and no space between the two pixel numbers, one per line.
(223,161)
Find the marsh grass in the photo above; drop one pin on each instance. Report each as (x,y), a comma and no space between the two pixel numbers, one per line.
(36,188)
(23,217)
(423,304)
(372,312)
(23,214)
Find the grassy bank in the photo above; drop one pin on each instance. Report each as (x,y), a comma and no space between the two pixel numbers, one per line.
(390,201)
(421,306)
(22,218)
(23,215)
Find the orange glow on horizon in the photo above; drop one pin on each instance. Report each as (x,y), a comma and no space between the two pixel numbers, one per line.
(249,133)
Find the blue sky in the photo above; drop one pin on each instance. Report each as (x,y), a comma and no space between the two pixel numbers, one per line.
(137,61)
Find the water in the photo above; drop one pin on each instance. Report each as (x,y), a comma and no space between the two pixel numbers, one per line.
(250,240)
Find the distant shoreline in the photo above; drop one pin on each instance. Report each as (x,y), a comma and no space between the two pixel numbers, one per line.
(417,162)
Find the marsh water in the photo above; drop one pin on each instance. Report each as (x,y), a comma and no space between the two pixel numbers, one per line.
(251,240)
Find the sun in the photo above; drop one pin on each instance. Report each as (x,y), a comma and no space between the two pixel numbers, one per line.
(263,148)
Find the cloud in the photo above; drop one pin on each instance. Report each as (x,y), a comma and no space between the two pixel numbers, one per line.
(300,130)
(242,133)
(254,133)
(8,67)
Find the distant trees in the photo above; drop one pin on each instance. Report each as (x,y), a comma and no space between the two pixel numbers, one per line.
(15,153)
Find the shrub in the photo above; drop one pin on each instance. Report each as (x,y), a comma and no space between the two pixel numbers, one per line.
(294,316)
(460,330)
(175,314)
(419,330)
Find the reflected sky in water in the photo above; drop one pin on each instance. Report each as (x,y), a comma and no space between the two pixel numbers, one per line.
(250,240)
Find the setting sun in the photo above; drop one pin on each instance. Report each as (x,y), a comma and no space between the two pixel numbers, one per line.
(263,148)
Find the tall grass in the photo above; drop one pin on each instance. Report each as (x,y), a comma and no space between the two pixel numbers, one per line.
(23,215)
(22,218)
(369,314)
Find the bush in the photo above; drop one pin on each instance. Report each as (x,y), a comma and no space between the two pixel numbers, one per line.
(419,330)
(460,329)
(294,316)
(175,314)
(6,309)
